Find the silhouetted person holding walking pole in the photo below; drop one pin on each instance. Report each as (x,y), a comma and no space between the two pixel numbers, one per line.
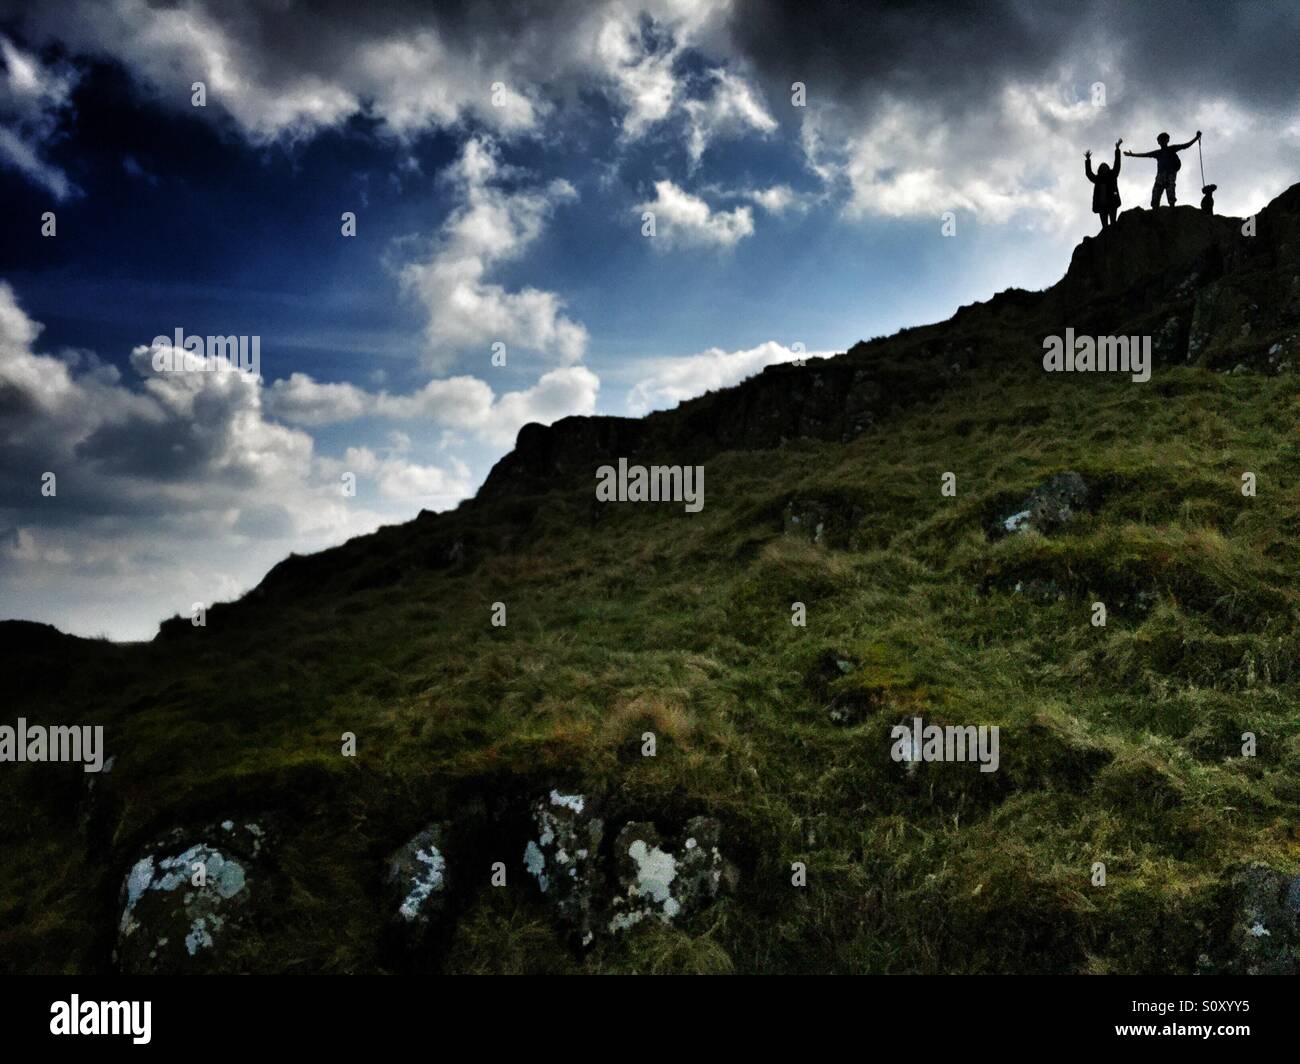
(1105,186)
(1167,166)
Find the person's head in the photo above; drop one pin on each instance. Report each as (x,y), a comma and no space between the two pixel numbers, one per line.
(1103,170)
(1163,139)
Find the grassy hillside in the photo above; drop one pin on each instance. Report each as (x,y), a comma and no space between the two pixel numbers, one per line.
(1119,744)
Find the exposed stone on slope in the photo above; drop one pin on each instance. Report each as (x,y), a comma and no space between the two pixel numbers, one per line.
(657,880)
(1050,506)
(418,888)
(564,858)
(175,920)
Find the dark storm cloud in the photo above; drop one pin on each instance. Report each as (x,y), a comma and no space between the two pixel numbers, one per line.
(1249,51)
(955,53)
(282,41)
(948,49)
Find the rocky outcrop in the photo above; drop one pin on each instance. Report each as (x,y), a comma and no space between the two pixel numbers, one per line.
(1190,280)
(191,898)
(829,399)
(417,883)
(598,892)
(657,880)
(197,900)
(1196,284)
(571,446)
(1048,508)
(563,858)
(1149,259)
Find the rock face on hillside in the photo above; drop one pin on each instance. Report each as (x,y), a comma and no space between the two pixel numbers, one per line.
(1206,294)
(567,447)
(1154,256)
(1211,291)
(1202,287)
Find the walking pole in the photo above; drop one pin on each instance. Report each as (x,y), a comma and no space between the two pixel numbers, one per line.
(1202,158)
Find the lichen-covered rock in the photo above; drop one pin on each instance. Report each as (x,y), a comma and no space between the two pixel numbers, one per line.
(417,883)
(564,858)
(700,866)
(188,898)
(1264,938)
(1054,503)
(656,880)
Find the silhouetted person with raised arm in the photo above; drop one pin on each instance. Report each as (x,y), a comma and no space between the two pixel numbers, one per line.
(1167,166)
(1105,186)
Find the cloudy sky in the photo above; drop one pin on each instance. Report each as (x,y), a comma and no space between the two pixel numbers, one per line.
(500,160)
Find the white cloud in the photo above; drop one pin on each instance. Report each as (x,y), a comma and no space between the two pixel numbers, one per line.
(733,108)
(1019,158)
(409,481)
(491,226)
(402,480)
(683,220)
(408,77)
(559,393)
(908,162)
(304,401)
(455,403)
(289,72)
(419,82)
(673,380)
(33,98)
(179,488)
(641,79)
(458,402)
(775,200)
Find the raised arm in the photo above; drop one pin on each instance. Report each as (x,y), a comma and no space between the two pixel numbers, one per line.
(1087,166)
(1116,166)
(1180,147)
